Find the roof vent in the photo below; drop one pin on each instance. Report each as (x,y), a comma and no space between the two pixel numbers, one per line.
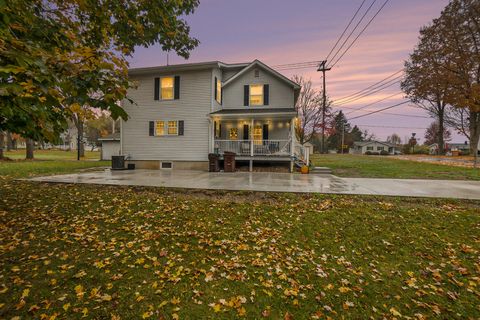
(257,73)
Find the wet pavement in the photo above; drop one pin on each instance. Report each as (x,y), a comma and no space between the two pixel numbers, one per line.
(278,182)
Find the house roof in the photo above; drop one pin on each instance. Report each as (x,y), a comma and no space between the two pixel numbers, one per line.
(251,111)
(365,143)
(111,137)
(258,63)
(186,67)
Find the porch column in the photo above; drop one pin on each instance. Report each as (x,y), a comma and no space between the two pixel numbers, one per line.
(251,145)
(251,137)
(211,138)
(292,135)
(292,143)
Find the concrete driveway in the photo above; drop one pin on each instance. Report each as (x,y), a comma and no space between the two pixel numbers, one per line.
(279,182)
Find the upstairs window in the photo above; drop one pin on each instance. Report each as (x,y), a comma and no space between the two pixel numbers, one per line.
(166,88)
(256,94)
(218,88)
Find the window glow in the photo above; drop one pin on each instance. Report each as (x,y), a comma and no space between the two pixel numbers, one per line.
(172,127)
(256,94)
(219,91)
(160,128)
(233,134)
(166,85)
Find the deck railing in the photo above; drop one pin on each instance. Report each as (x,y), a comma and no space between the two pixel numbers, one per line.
(254,147)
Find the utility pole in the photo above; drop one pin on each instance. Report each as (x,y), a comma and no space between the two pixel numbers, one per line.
(323,68)
(343,136)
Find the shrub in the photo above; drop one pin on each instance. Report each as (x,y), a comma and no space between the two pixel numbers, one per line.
(384,153)
(368,153)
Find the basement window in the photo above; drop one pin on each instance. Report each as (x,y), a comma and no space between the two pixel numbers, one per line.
(166,165)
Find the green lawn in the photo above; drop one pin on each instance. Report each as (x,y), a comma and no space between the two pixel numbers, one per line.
(53,154)
(384,167)
(104,252)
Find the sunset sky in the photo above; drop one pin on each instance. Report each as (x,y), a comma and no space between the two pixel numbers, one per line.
(280,32)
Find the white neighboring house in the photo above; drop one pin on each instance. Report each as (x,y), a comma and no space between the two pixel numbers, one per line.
(376,147)
(110,146)
(184,112)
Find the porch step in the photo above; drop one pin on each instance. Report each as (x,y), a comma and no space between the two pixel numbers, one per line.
(321,170)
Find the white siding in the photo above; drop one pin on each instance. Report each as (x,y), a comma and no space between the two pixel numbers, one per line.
(193,107)
(109,149)
(281,94)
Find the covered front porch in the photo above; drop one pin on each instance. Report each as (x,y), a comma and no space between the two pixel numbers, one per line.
(255,134)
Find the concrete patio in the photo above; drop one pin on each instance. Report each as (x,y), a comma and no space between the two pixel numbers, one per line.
(279,182)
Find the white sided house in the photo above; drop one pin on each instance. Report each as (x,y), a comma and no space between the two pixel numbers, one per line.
(372,147)
(184,112)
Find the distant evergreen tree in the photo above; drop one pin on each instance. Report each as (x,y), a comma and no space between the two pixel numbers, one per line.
(339,124)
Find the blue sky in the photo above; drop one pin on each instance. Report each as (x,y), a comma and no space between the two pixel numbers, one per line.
(279,32)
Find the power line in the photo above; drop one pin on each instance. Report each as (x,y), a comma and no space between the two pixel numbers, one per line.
(355,28)
(296,64)
(361,32)
(369,93)
(359,92)
(380,110)
(345,30)
(371,104)
(394,127)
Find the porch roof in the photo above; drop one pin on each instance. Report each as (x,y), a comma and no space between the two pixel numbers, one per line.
(275,112)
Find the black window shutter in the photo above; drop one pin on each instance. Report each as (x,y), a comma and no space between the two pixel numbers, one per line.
(221,97)
(214,129)
(176,88)
(151,128)
(245,132)
(265,132)
(156,90)
(220,130)
(181,126)
(246,94)
(266,89)
(215,88)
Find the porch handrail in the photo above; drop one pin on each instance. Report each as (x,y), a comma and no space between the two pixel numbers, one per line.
(254,147)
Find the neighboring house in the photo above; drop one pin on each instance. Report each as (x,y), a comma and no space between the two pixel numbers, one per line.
(184,112)
(364,147)
(110,146)
(462,147)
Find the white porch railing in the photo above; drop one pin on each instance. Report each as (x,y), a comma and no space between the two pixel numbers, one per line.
(301,153)
(254,148)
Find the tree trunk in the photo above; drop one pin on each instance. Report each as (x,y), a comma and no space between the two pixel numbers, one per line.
(9,141)
(30,145)
(441,128)
(2,143)
(474,135)
(80,144)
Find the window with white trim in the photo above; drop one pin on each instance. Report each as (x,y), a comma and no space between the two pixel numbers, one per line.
(219,91)
(380,148)
(166,88)
(172,128)
(369,148)
(256,94)
(159,128)
(167,128)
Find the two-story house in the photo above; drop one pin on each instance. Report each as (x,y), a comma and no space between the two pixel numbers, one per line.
(184,112)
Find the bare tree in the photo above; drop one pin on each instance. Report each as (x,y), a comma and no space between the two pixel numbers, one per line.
(310,110)
(459,120)
(394,139)
(424,84)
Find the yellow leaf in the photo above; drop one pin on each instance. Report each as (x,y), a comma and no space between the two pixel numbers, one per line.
(175,300)
(25,293)
(241,311)
(84,312)
(344,289)
(175,316)
(66,306)
(395,312)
